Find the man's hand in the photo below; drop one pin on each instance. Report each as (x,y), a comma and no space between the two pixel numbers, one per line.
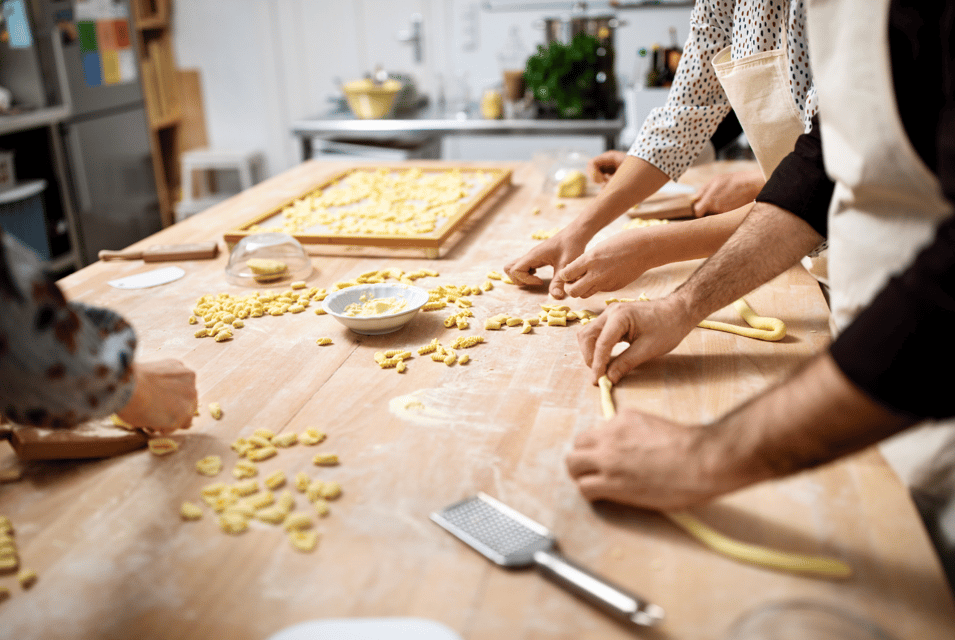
(652,328)
(601,168)
(556,252)
(644,461)
(609,266)
(165,397)
(728,191)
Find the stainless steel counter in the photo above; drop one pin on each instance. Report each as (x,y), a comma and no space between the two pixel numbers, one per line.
(432,121)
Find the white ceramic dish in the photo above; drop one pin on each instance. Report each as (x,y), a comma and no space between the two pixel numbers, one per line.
(336,302)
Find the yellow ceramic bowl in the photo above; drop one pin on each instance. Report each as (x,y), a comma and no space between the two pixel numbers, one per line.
(369,100)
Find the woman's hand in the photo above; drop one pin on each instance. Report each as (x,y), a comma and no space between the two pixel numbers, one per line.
(601,168)
(165,397)
(609,266)
(557,252)
(728,191)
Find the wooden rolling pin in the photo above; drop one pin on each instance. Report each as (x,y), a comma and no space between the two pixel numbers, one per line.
(165,252)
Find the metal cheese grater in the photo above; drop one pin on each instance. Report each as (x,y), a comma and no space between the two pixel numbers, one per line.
(510,539)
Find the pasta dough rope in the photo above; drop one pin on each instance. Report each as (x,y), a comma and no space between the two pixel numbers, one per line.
(741,551)
(760,328)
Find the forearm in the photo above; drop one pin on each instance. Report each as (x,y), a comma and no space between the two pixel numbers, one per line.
(690,239)
(633,182)
(767,242)
(812,418)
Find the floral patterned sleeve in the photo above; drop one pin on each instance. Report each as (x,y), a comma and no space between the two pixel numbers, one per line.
(61,363)
(673,135)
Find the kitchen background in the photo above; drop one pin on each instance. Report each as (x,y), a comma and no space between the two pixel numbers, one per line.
(267,63)
(105,96)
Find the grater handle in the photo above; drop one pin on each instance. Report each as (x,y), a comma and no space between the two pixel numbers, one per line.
(609,597)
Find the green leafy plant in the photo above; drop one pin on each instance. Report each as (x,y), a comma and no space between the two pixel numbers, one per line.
(564,76)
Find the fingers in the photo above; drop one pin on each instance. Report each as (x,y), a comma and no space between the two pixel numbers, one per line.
(587,338)
(522,270)
(557,287)
(612,332)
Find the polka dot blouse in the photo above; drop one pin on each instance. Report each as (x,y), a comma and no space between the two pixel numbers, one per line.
(674,135)
(61,363)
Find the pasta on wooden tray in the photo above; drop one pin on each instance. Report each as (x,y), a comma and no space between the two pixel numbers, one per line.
(418,207)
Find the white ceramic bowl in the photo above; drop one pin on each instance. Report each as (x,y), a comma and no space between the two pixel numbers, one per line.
(336,302)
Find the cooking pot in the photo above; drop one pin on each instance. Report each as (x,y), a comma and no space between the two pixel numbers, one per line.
(565,28)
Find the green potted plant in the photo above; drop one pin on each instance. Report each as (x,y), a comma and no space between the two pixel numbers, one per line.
(571,80)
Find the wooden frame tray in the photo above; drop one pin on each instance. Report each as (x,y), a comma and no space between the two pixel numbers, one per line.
(481,184)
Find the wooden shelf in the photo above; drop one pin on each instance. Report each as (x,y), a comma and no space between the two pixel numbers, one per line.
(172,120)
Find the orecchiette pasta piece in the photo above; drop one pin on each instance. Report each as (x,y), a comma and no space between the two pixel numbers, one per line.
(311,436)
(299,521)
(244,488)
(213,489)
(303,540)
(233,523)
(271,515)
(162,446)
(190,511)
(209,466)
(263,453)
(325,459)
(285,501)
(285,440)
(330,490)
(27,578)
(261,499)
(314,490)
(245,469)
(215,410)
(275,479)
(259,441)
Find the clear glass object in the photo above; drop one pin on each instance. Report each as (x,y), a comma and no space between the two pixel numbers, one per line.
(562,164)
(804,620)
(279,247)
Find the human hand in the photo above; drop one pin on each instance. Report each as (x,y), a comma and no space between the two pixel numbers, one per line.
(644,461)
(601,168)
(556,252)
(611,265)
(727,192)
(165,397)
(652,328)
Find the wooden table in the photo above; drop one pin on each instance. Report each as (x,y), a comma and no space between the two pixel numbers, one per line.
(115,561)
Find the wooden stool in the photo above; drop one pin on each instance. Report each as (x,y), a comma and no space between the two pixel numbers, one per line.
(198,197)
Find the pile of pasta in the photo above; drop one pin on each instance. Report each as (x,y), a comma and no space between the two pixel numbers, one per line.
(10,559)
(239,503)
(382,202)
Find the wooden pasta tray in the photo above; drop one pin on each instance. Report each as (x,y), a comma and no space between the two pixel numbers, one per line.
(481,191)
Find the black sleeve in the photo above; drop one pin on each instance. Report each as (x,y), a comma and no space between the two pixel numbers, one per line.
(800,184)
(899,349)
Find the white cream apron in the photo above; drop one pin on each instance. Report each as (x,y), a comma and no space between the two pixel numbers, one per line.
(757,87)
(887,203)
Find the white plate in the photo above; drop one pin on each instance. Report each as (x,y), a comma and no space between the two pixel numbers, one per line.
(335,304)
(368,629)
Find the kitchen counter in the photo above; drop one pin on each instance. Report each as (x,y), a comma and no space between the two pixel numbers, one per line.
(115,560)
(432,121)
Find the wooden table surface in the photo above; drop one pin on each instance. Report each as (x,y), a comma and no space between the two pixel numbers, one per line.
(115,561)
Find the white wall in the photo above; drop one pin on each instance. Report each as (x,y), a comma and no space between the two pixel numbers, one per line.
(267,63)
